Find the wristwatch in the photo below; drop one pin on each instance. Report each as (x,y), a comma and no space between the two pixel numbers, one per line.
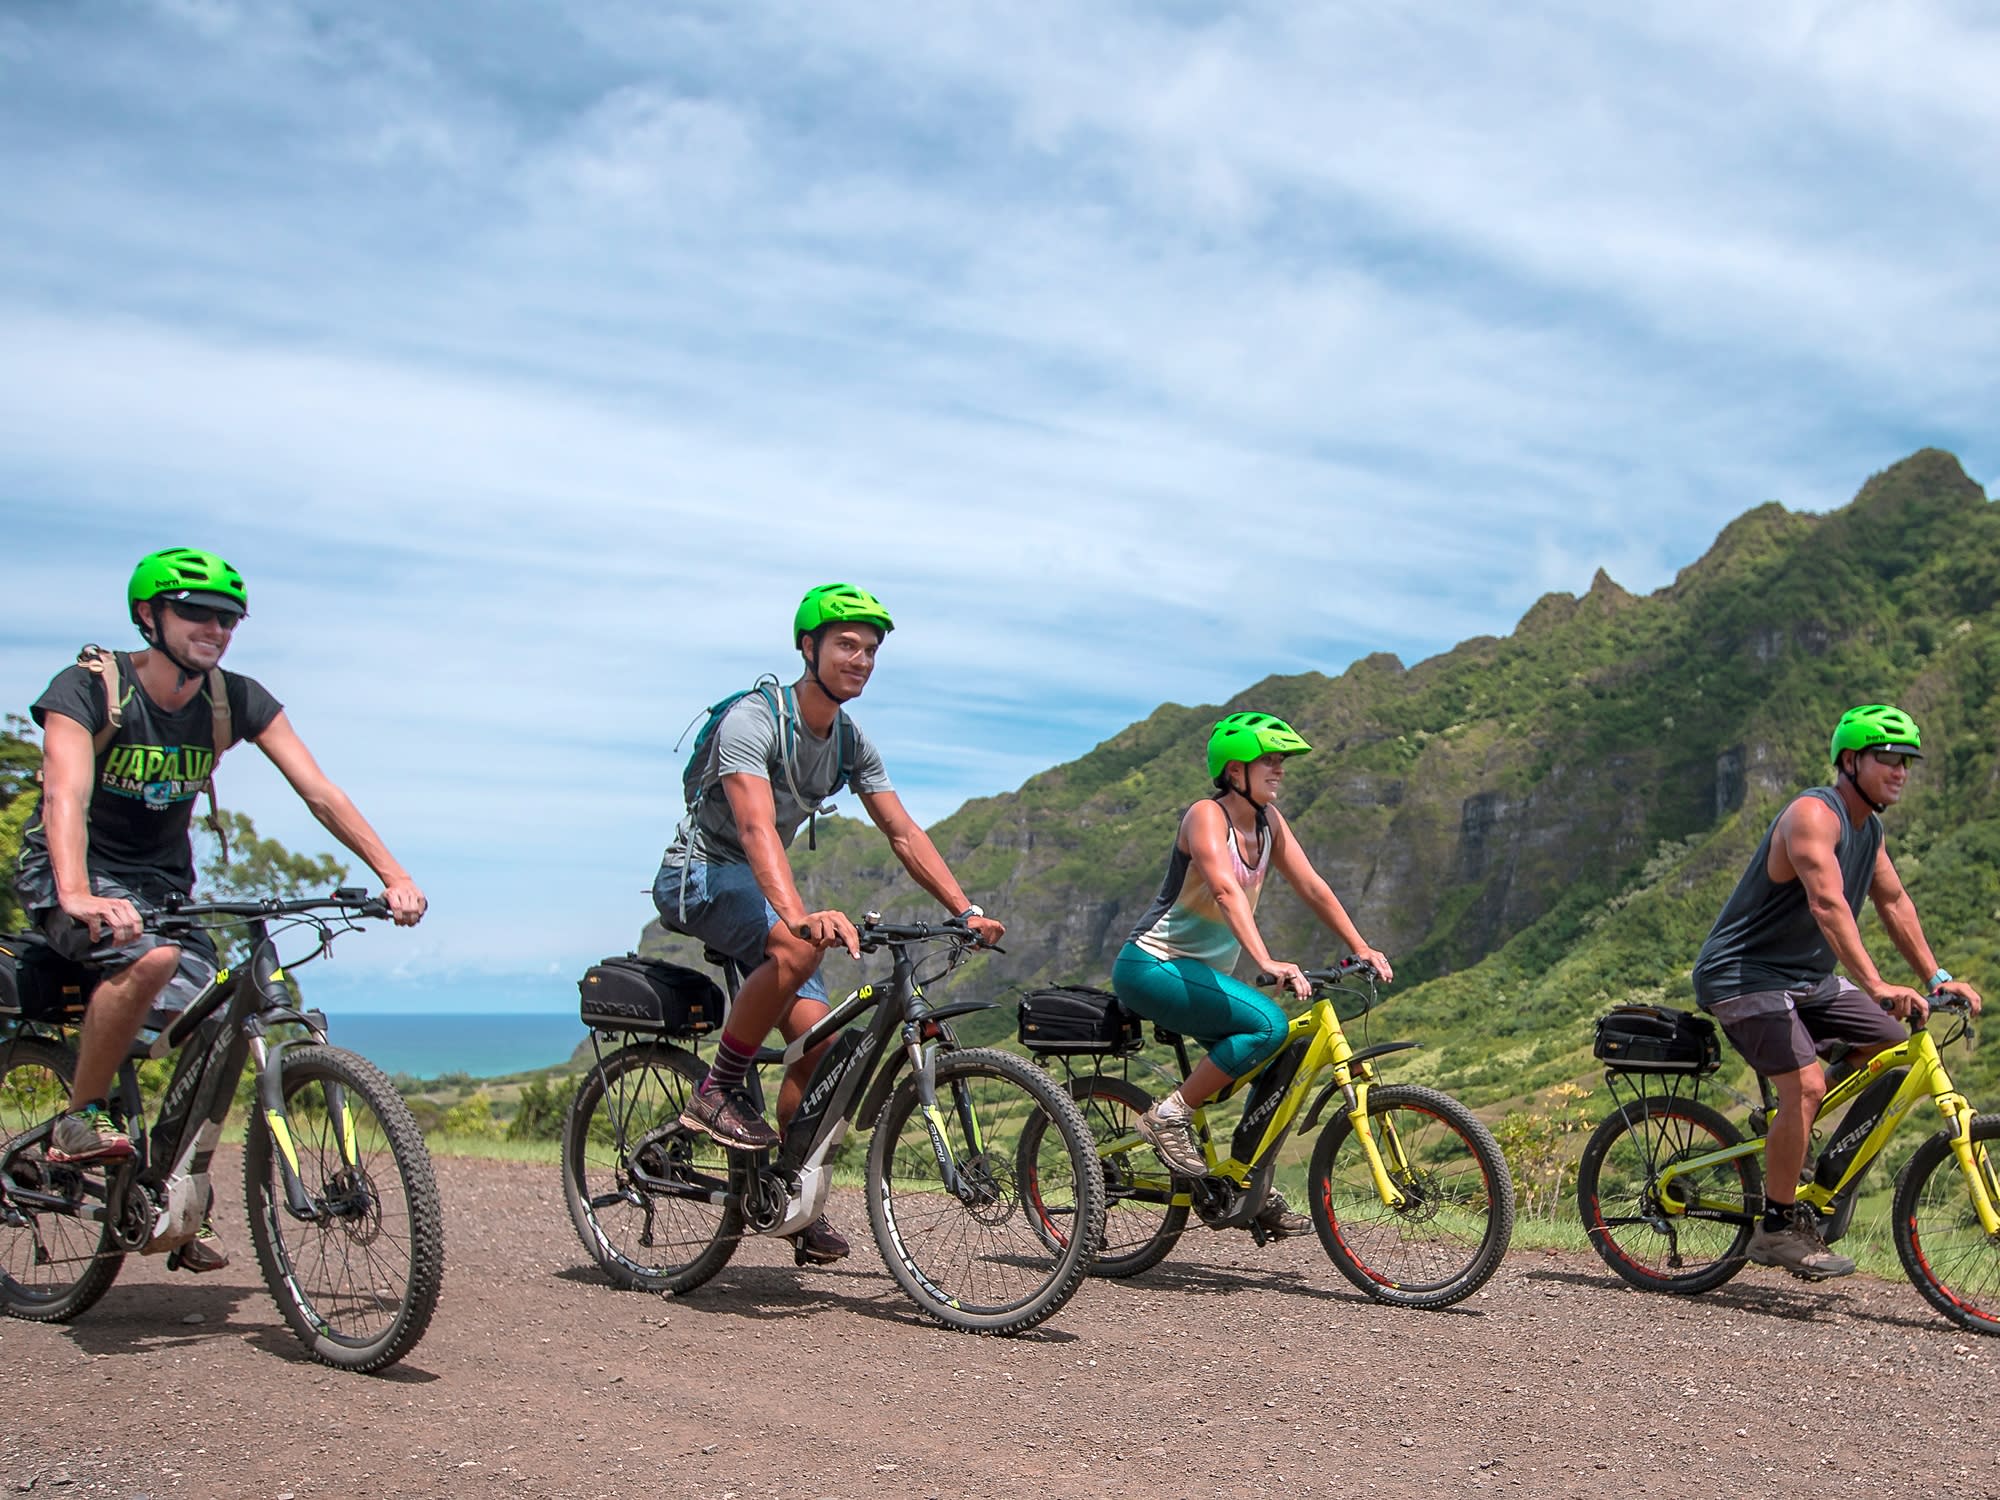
(1942,977)
(980,911)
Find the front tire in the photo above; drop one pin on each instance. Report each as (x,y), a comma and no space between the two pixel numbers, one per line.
(985,1262)
(623,1145)
(358,1278)
(1952,1260)
(1624,1215)
(1451,1230)
(52,1265)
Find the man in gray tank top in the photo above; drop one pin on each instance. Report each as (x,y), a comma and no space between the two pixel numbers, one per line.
(1766,972)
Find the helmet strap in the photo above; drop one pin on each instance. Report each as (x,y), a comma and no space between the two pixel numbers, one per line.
(812,669)
(1242,791)
(1879,807)
(156,638)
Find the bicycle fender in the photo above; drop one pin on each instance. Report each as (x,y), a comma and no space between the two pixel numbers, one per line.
(960,1008)
(1365,1054)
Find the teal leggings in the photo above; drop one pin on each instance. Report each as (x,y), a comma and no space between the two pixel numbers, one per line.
(1239,1027)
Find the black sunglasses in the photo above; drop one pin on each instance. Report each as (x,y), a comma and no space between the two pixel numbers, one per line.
(204,614)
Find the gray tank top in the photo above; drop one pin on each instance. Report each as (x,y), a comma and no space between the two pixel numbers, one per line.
(1766,938)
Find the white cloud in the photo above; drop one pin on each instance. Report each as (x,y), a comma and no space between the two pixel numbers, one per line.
(1133,355)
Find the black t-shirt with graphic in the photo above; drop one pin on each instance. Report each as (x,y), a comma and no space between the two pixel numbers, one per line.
(147,779)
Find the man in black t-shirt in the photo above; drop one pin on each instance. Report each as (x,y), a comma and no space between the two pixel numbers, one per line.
(107,844)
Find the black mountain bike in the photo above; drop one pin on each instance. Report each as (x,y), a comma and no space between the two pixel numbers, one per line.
(343,1206)
(661,1207)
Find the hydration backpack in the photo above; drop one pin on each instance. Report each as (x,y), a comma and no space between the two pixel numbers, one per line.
(700,774)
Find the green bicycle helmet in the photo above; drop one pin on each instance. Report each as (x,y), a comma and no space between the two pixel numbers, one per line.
(1247,736)
(190,575)
(1876,726)
(833,603)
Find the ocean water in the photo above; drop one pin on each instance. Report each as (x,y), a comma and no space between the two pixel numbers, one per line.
(483,1045)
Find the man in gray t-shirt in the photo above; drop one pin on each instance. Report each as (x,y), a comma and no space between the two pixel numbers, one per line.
(775,756)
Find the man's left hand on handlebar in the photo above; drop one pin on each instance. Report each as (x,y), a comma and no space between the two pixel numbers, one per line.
(988,931)
(1963,990)
(407,904)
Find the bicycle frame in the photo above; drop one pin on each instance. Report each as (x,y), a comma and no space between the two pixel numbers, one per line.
(848,1089)
(1926,1078)
(212,1041)
(1326,1048)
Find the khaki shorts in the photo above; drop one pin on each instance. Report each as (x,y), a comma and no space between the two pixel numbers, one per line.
(1780,1031)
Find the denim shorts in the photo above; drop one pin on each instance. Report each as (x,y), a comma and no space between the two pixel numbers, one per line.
(724,907)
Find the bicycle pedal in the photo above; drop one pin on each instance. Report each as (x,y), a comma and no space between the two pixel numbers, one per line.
(1807,1275)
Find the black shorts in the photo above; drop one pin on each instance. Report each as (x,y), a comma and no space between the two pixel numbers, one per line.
(70,938)
(1780,1031)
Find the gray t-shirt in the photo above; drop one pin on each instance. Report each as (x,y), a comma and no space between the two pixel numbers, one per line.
(801,768)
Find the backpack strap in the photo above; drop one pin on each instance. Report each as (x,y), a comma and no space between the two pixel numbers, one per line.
(223,722)
(105,664)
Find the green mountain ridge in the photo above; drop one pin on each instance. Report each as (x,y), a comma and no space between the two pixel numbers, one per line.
(1536,825)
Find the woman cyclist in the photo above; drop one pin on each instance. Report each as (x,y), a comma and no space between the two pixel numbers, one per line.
(1174,970)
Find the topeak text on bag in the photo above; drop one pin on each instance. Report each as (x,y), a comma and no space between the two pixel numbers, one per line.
(643,994)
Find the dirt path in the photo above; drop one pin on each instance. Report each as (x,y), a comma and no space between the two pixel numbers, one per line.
(1227,1371)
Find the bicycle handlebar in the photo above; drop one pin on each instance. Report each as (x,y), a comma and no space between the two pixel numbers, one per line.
(1347,968)
(350,900)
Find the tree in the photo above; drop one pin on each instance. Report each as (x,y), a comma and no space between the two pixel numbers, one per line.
(20,759)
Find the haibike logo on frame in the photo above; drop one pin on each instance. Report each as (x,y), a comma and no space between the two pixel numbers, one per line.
(820,1095)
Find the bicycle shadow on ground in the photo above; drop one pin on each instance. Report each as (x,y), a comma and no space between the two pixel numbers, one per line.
(1821,1303)
(151,1320)
(773,1294)
(1181,1277)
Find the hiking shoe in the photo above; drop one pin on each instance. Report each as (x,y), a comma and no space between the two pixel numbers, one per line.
(88,1134)
(202,1253)
(730,1116)
(818,1244)
(1797,1248)
(1174,1139)
(1278,1221)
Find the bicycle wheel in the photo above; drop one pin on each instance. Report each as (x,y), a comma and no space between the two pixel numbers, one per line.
(981,1259)
(1953,1261)
(627,1161)
(52,1265)
(1141,1220)
(1618,1196)
(357,1273)
(1447,1236)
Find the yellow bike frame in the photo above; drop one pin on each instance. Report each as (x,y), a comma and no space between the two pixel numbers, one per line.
(1927,1078)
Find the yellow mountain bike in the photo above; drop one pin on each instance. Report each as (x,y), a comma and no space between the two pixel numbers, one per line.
(1670,1190)
(1408,1191)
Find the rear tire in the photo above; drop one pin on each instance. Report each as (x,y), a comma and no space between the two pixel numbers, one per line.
(1142,1223)
(359,1280)
(52,1265)
(1951,1259)
(1618,1197)
(646,1240)
(1450,1233)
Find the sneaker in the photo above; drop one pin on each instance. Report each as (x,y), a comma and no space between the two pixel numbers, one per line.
(1278,1221)
(818,1244)
(1797,1248)
(88,1134)
(1174,1139)
(730,1116)
(202,1253)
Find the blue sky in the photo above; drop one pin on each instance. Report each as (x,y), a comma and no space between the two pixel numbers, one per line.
(531,359)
